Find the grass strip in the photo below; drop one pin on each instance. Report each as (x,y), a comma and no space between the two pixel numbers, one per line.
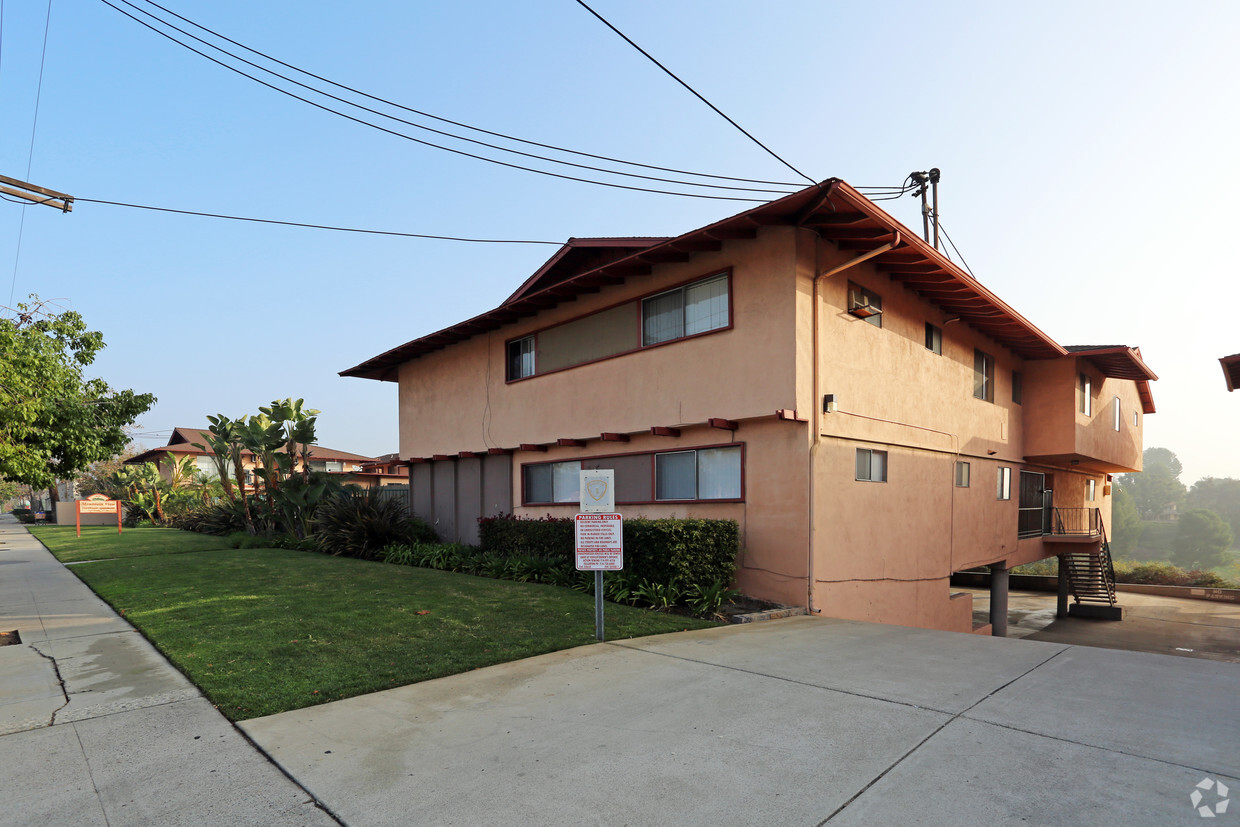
(262,631)
(103,542)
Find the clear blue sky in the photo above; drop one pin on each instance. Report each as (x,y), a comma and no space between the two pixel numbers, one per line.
(1087,154)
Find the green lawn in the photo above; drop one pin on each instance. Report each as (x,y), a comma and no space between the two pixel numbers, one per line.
(103,543)
(262,631)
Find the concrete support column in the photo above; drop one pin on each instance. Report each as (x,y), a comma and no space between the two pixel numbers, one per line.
(999,599)
(1061,608)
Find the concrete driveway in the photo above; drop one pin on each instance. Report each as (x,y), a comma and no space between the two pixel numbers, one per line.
(1160,625)
(797,721)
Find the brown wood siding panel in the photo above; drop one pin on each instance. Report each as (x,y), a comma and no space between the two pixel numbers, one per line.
(443,487)
(497,486)
(421,497)
(593,337)
(468,499)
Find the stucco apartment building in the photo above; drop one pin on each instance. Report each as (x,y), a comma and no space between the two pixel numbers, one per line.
(872,416)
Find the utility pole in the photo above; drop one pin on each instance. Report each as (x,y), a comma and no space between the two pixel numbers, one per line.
(926,182)
(37,195)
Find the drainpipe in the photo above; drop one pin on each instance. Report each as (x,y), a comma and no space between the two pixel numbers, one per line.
(817,418)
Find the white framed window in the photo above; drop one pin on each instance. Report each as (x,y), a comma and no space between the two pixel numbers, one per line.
(1091,490)
(553,482)
(1116,419)
(962,475)
(1005,483)
(1085,392)
(871,465)
(934,339)
(206,467)
(1134,419)
(699,474)
(686,311)
(521,358)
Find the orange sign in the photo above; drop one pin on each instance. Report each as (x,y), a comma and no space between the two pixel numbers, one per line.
(98,504)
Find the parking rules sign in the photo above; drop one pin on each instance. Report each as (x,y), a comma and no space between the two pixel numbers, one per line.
(600,542)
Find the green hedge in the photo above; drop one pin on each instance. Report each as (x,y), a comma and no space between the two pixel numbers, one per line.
(691,553)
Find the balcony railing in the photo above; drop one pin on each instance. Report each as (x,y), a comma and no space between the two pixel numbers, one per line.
(1076,522)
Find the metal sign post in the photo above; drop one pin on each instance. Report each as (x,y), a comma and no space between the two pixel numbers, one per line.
(599,534)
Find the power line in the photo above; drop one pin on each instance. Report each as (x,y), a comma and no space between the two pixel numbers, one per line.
(21,224)
(422,126)
(435,145)
(378,99)
(317,226)
(957,249)
(672,75)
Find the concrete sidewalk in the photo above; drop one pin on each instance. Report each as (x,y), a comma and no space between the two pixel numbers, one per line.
(800,721)
(96,727)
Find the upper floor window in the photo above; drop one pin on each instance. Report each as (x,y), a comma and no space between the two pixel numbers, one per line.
(521,358)
(962,475)
(866,304)
(1135,421)
(934,339)
(1005,483)
(1116,418)
(1084,390)
(1091,490)
(983,376)
(685,311)
(871,465)
(1018,387)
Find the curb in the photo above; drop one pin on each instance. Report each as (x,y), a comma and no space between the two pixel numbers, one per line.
(769,614)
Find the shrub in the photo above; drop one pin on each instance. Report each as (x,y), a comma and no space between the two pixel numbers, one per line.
(691,552)
(708,600)
(362,523)
(221,518)
(1165,574)
(547,536)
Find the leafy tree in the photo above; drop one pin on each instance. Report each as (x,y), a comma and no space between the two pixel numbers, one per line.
(98,478)
(1201,540)
(54,421)
(1126,525)
(1222,496)
(1158,485)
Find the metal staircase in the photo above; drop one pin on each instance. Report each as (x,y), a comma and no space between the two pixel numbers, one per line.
(1090,573)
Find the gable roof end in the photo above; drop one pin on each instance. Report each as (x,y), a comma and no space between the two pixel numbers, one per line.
(1231,370)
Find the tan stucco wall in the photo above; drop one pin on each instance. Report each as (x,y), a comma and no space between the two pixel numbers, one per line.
(880,551)
(457,399)
(1057,428)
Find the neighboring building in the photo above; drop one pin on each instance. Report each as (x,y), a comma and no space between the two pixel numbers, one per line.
(872,416)
(382,472)
(181,444)
(1231,371)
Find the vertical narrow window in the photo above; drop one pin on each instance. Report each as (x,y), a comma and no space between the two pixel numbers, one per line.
(865,304)
(871,465)
(1090,489)
(934,339)
(1018,387)
(686,311)
(983,376)
(962,475)
(1085,391)
(521,358)
(1134,419)
(1117,418)
(1005,483)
